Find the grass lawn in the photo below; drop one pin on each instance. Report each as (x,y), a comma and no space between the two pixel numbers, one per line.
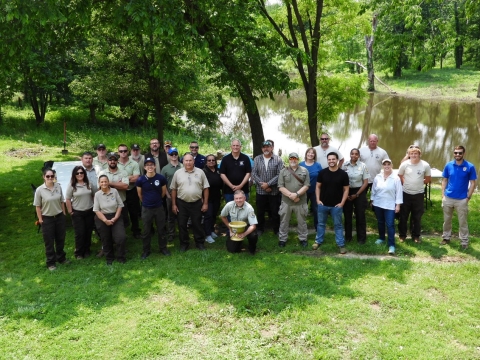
(461,84)
(281,303)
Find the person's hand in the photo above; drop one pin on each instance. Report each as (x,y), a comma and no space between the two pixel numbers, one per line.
(175,209)
(264,185)
(297,199)
(397,208)
(268,189)
(339,205)
(204,207)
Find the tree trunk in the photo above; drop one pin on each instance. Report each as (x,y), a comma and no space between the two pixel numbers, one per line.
(478,91)
(369,40)
(458,41)
(253,115)
(312,104)
(93,117)
(159,113)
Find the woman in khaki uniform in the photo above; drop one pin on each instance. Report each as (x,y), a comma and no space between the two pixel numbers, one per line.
(51,215)
(80,207)
(107,206)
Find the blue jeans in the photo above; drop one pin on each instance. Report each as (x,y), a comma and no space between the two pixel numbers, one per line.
(386,217)
(312,198)
(336,213)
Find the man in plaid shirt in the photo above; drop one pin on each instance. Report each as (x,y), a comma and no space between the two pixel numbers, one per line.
(265,173)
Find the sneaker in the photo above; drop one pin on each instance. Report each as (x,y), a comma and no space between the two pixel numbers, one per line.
(52,268)
(145,255)
(213,235)
(100,253)
(315,246)
(209,239)
(303,244)
(391,250)
(380,242)
(343,250)
(445,242)
(79,257)
(281,244)
(401,239)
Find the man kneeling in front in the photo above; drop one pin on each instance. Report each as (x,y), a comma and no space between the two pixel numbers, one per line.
(240,210)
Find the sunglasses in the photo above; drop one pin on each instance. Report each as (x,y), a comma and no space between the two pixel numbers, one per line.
(122,151)
(174,154)
(211,160)
(49,176)
(324,139)
(79,173)
(458,153)
(292,158)
(193,147)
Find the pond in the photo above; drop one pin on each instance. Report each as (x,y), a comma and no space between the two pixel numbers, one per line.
(437,126)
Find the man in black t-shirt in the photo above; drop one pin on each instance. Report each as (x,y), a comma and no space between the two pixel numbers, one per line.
(235,171)
(331,194)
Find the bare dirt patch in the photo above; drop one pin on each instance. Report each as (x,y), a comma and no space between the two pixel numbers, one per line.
(24,153)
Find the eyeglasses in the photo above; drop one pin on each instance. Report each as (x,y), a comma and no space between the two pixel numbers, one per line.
(458,152)
(101,149)
(49,176)
(193,147)
(324,138)
(154,143)
(122,151)
(112,160)
(211,160)
(292,158)
(80,173)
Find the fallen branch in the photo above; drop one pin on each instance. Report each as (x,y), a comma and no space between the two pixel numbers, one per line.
(376,77)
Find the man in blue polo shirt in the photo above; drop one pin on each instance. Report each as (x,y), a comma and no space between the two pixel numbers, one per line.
(458,184)
(151,189)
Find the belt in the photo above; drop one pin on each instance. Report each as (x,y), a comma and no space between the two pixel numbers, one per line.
(54,216)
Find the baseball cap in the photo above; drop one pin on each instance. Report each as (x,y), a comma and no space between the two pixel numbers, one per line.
(135,147)
(172,150)
(294,155)
(112,155)
(149,159)
(100,146)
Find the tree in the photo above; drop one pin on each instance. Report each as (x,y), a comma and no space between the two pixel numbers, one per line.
(242,52)
(38,37)
(299,24)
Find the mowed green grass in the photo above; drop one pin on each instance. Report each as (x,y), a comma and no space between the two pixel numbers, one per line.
(281,303)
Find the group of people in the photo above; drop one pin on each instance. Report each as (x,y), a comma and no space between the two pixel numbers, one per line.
(111,192)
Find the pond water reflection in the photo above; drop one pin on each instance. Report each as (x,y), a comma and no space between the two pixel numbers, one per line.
(435,125)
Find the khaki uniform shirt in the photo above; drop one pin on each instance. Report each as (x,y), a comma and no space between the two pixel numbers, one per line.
(82,198)
(119,175)
(189,184)
(131,168)
(107,203)
(98,165)
(288,181)
(245,213)
(356,173)
(50,201)
(92,178)
(141,163)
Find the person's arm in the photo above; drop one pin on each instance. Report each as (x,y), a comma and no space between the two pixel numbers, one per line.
(69,206)
(205,200)
(444,186)
(38,209)
(280,166)
(118,213)
(362,188)
(140,194)
(226,181)
(402,178)
(164,191)
(174,201)
(345,196)
(340,163)
(317,193)
(426,180)
(471,189)
(119,185)
(62,204)
(398,195)
(244,181)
